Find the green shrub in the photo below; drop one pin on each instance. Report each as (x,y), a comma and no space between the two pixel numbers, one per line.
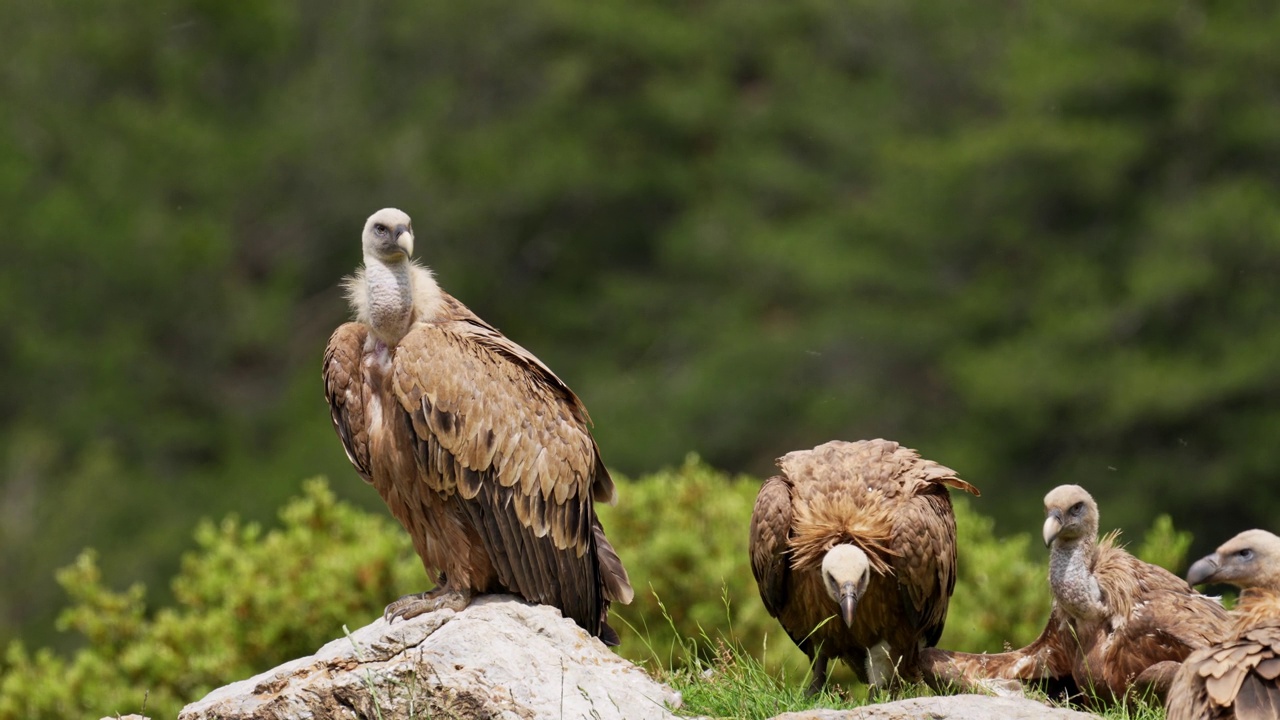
(1002,594)
(682,535)
(1165,546)
(245,601)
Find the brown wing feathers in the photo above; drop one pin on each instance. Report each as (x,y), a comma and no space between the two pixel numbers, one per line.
(529,466)
(347,394)
(491,434)
(770,530)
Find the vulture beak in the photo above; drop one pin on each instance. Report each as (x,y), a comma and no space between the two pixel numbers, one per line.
(1203,570)
(1052,526)
(848,603)
(404,239)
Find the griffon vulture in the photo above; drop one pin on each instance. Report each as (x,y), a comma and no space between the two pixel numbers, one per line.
(1118,624)
(1238,677)
(862,531)
(478,449)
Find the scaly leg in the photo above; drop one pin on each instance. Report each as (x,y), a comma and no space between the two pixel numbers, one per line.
(416,604)
(819,672)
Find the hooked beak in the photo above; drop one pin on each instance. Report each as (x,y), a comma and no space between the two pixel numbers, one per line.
(1203,570)
(848,603)
(1052,526)
(404,239)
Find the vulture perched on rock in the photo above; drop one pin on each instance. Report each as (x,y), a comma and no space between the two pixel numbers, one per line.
(1238,677)
(853,547)
(1118,625)
(478,449)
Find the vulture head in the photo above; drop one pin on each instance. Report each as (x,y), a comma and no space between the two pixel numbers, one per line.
(1250,559)
(388,235)
(845,574)
(1071,514)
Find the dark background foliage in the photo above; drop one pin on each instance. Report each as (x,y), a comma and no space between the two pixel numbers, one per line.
(1037,241)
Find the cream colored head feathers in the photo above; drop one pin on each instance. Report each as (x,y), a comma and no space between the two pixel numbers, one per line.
(1250,559)
(388,236)
(1070,514)
(389,292)
(845,574)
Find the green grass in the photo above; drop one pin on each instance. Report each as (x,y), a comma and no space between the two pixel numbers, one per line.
(719,678)
(735,684)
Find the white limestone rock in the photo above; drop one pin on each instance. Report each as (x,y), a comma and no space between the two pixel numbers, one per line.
(499,658)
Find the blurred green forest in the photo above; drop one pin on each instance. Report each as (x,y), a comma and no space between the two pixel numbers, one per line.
(1038,241)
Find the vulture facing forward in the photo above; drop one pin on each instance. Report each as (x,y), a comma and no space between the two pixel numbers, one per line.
(1118,624)
(864,532)
(1238,677)
(478,449)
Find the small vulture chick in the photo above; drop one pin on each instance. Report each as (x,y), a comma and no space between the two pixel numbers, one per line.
(853,548)
(1119,626)
(1238,677)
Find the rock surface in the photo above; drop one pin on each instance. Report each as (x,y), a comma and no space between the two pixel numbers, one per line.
(499,658)
(953,707)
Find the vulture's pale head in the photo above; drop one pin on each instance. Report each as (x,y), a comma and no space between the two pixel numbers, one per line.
(1250,559)
(1070,514)
(388,236)
(845,574)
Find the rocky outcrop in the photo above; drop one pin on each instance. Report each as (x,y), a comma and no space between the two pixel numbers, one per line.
(499,658)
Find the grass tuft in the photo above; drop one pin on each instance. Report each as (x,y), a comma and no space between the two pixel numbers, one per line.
(718,677)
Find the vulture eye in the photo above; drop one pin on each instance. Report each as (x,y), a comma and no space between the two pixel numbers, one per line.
(1245,554)
(1077,508)
(380,229)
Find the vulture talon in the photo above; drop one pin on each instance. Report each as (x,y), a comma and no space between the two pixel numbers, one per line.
(415,604)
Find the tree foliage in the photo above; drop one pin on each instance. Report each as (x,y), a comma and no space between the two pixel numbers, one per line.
(1037,241)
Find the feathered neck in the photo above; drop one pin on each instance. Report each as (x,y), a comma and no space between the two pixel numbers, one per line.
(820,527)
(391,297)
(1256,606)
(1075,588)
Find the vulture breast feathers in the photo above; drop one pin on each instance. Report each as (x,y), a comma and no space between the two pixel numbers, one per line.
(862,531)
(479,450)
(1239,676)
(1119,626)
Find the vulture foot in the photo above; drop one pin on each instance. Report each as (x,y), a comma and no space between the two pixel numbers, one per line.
(415,604)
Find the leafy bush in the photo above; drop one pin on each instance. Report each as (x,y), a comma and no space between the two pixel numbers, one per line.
(1002,592)
(1165,546)
(248,599)
(682,535)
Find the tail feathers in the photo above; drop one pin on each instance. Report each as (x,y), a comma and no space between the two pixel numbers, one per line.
(617,586)
(1257,699)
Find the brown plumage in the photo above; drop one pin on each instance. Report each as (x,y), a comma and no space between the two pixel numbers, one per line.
(864,532)
(478,449)
(1238,677)
(1118,625)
